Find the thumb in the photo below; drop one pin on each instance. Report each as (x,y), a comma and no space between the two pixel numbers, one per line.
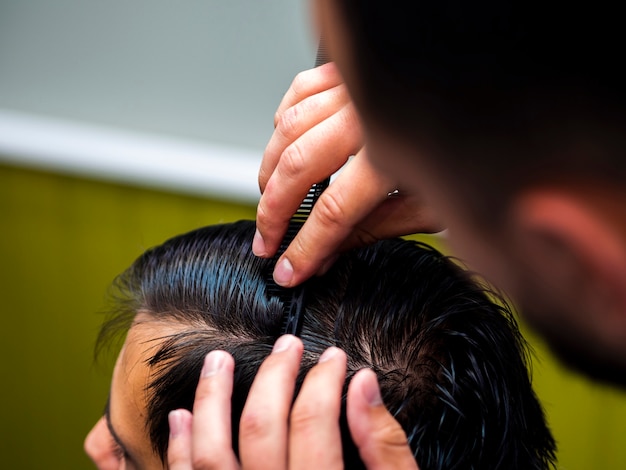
(380,439)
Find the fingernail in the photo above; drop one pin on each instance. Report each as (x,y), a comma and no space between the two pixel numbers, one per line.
(258,244)
(328,354)
(283,343)
(371,391)
(175,420)
(283,273)
(212,364)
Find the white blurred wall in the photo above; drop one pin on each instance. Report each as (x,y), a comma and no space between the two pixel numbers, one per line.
(208,72)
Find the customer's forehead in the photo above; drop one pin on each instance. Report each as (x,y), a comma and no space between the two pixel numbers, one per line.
(145,337)
(129,387)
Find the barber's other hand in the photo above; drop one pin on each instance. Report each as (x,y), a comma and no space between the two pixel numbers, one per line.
(316,131)
(272,437)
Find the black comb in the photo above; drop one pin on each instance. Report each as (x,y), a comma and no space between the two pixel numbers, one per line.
(293,298)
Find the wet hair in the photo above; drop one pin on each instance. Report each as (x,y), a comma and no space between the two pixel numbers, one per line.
(496,94)
(451,362)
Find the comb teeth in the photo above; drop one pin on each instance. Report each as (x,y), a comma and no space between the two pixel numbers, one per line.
(302,214)
(322,54)
(293,299)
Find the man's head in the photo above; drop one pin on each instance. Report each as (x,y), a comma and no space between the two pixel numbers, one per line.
(450,362)
(510,116)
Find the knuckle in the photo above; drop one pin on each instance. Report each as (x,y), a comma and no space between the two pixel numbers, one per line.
(389,435)
(305,418)
(270,205)
(253,425)
(293,162)
(387,444)
(262,218)
(270,218)
(287,123)
(299,252)
(299,85)
(204,462)
(329,208)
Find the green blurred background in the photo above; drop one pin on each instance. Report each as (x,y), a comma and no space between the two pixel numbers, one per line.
(63,240)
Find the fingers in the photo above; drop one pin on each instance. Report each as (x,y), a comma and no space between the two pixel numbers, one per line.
(317,129)
(357,191)
(263,429)
(310,438)
(302,118)
(297,170)
(203,442)
(381,441)
(314,96)
(309,83)
(179,447)
(315,439)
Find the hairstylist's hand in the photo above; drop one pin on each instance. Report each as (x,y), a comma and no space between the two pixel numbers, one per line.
(317,130)
(273,438)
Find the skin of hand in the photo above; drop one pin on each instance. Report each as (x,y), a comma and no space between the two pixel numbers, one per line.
(273,437)
(316,132)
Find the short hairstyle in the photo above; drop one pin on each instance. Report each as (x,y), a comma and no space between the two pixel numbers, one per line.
(500,94)
(451,362)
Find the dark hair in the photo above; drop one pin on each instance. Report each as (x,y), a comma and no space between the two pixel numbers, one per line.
(450,361)
(499,94)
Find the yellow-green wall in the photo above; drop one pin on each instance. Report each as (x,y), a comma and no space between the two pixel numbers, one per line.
(63,239)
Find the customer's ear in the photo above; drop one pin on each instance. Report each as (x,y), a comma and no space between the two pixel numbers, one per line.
(577,247)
